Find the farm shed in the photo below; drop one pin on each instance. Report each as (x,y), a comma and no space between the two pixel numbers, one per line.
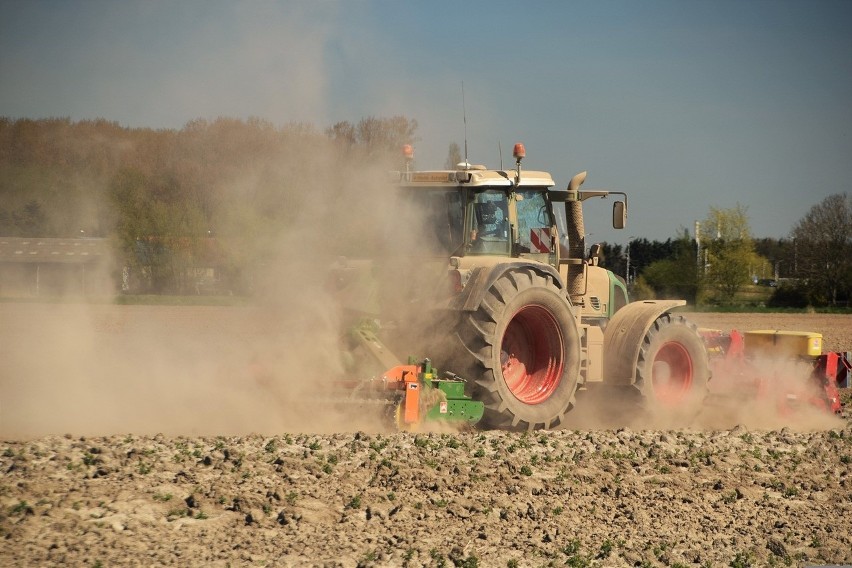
(34,267)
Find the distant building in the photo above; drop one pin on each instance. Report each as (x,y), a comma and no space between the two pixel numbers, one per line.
(45,267)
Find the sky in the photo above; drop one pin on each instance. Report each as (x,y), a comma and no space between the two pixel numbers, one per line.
(685,105)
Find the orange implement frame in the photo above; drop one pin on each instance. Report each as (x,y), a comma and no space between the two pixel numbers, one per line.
(406,378)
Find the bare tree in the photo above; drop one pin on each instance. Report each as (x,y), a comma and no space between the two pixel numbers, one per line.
(823,243)
(385,135)
(342,132)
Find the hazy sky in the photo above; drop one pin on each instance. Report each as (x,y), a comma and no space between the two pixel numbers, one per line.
(683,104)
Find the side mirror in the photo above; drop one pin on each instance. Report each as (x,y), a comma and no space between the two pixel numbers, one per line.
(619,215)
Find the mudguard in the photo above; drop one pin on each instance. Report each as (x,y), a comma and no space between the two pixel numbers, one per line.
(484,277)
(623,336)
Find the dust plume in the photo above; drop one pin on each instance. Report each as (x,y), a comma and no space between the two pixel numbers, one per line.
(761,394)
(105,369)
(767,392)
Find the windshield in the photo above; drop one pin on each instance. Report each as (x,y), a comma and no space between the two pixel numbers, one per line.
(534,222)
(455,221)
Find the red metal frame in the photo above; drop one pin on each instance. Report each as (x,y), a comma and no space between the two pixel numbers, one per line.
(735,373)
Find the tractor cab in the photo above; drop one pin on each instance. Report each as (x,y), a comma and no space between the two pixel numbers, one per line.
(477,217)
(473,213)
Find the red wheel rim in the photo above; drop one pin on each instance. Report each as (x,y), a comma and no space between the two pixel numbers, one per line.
(532,355)
(672,373)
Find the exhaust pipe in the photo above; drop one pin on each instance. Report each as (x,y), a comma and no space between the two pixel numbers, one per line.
(576,233)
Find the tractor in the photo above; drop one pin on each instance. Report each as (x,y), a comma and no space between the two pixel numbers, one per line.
(488,285)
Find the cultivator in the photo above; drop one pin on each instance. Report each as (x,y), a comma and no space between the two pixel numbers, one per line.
(424,398)
(787,369)
(414,394)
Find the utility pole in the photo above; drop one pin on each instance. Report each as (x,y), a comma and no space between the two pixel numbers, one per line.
(627,269)
(795,258)
(698,246)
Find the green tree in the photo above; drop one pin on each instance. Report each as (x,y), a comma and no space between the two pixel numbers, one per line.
(30,219)
(159,231)
(823,242)
(729,250)
(676,276)
(643,253)
(27,221)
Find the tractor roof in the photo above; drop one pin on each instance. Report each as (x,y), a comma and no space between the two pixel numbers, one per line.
(475,176)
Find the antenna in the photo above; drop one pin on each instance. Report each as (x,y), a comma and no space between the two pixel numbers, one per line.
(464,118)
(500,150)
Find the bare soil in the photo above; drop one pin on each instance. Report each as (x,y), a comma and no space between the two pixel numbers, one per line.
(144,436)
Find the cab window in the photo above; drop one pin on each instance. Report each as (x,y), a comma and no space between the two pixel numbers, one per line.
(489,232)
(434,218)
(534,222)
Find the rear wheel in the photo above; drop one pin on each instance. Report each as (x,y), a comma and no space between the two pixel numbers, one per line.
(672,370)
(525,350)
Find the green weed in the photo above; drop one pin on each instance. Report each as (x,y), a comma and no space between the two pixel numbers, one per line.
(354,503)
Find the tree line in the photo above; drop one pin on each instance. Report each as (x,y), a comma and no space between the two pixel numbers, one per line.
(159,194)
(810,267)
(243,189)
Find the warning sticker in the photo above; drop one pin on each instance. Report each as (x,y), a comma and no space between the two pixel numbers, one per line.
(541,240)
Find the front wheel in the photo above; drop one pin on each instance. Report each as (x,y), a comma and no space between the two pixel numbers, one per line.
(672,369)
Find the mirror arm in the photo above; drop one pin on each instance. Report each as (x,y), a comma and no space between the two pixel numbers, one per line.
(584,195)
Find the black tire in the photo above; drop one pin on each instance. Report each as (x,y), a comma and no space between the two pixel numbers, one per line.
(524,322)
(672,370)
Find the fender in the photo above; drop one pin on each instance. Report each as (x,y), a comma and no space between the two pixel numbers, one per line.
(623,337)
(484,277)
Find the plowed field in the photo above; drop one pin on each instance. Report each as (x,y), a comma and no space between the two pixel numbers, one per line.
(145,436)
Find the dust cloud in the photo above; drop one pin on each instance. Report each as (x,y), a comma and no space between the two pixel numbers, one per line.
(276,366)
(97,370)
(100,369)
(761,394)
(768,393)
(272,368)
